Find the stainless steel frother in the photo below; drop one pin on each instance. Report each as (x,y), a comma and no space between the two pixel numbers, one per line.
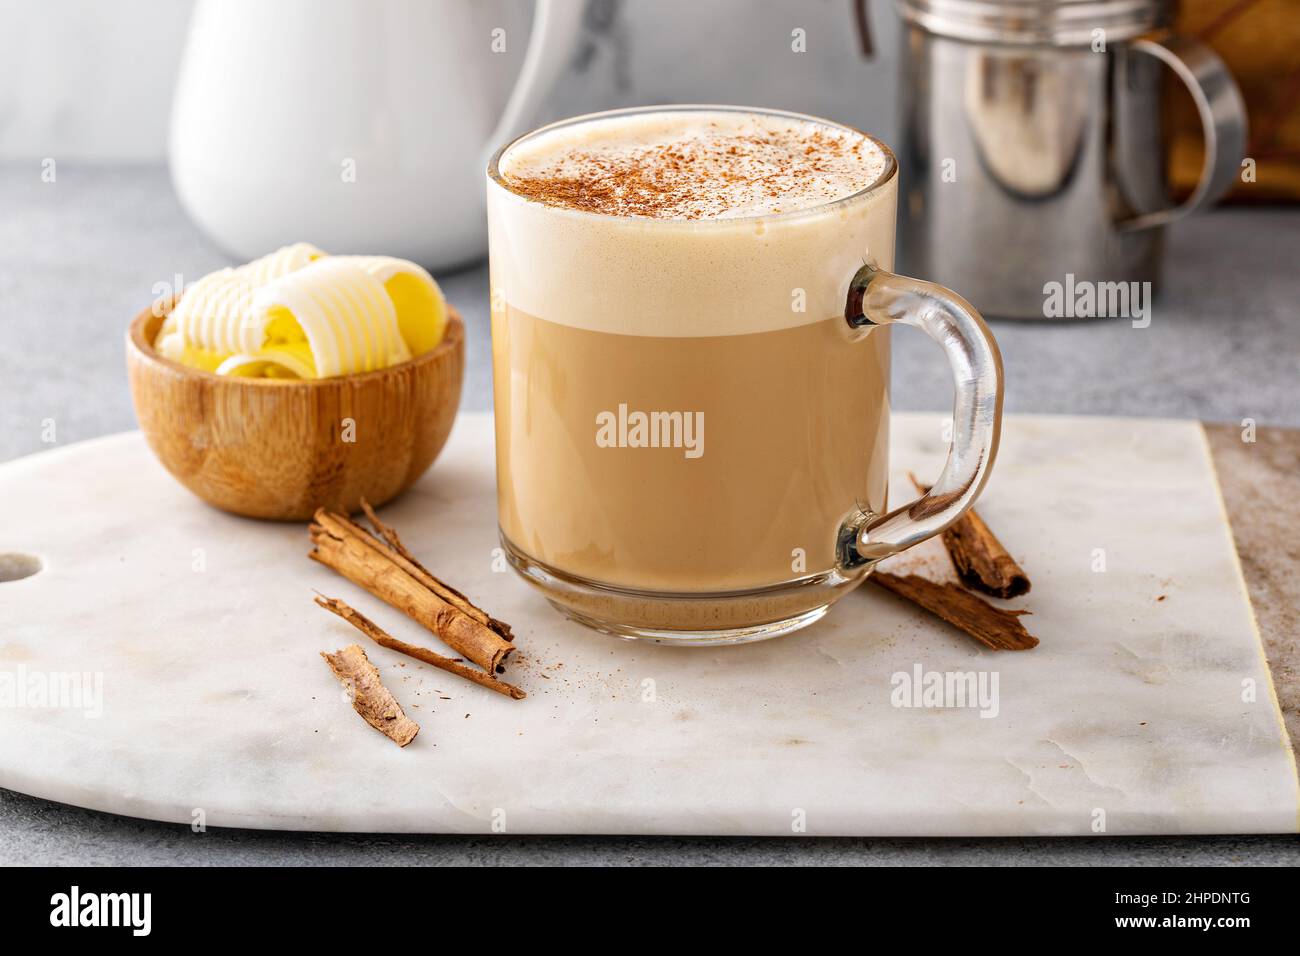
(1031,148)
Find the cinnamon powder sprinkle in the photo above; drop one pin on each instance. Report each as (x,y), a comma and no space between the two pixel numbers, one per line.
(699,170)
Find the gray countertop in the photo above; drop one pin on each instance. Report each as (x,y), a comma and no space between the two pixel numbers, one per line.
(80,256)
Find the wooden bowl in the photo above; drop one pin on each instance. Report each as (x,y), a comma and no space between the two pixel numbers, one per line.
(278,449)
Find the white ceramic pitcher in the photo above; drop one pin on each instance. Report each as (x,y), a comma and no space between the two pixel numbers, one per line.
(357,125)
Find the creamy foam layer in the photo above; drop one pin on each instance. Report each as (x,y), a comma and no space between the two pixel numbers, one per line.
(693,165)
(653,276)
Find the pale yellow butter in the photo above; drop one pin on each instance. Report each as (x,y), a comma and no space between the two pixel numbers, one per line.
(300,313)
(212,313)
(342,311)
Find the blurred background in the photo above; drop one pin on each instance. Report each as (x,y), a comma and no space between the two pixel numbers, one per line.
(144,143)
(90,80)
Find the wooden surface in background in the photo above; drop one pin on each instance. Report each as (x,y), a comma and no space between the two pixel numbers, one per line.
(1259,40)
(1261,489)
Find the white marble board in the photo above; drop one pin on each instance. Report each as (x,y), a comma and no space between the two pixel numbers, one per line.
(1134,715)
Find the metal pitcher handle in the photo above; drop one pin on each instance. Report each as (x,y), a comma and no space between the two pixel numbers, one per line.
(1223,119)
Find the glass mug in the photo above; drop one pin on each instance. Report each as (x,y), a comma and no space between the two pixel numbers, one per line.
(692,415)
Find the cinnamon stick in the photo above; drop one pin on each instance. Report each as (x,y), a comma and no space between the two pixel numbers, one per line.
(442,589)
(370,698)
(981,562)
(389,575)
(384,639)
(993,627)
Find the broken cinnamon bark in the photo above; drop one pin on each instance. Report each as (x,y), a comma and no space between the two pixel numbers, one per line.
(979,558)
(390,575)
(384,639)
(993,627)
(370,698)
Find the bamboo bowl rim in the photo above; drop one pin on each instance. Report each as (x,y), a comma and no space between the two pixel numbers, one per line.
(142,347)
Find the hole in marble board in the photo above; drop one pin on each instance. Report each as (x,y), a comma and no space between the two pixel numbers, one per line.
(15,567)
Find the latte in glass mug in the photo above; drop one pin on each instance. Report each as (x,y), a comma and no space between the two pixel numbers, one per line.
(691,369)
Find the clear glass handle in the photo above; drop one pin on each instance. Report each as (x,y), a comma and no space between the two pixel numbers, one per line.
(879,298)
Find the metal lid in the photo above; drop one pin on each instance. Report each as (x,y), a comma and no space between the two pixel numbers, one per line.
(1037,22)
